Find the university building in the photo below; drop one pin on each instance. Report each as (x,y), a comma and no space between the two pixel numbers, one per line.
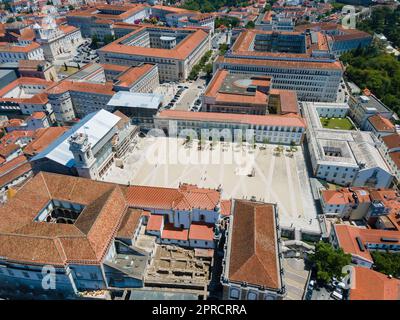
(344,157)
(252,264)
(79,153)
(283,129)
(174,50)
(295,61)
(246,93)
(92,88)
(56,41)
(88,232)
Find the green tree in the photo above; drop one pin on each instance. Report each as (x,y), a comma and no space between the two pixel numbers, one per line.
(71,7)
(226,21)
(223,47)
(208,69)
(250,25)
(376,70)
(10,20)
(329,261)
(108,39)
(387,263)
(95,42)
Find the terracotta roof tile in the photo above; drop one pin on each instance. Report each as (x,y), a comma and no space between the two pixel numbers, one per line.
(372,285)
(201,231)
(155,222)
(381,124)
(253,251)
(86,241)
(181,51)
(129,223)
(266,120)
(172,233)
(42,139)
(392,141)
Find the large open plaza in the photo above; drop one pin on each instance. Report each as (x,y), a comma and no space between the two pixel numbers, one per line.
(242,171)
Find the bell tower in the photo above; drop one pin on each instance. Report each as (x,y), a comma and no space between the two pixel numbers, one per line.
(84,159)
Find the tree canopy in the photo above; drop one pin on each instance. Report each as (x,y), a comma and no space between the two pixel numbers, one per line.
(226,21)
(329,261)
(212,5)
(383,20)
(376,70)
(250,25)
(387,263)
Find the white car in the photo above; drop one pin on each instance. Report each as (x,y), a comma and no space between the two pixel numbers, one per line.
(337,294)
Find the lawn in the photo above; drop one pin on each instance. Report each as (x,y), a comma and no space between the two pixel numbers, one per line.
(337,123)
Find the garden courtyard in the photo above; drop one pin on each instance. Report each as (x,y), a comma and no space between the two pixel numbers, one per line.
(337,123)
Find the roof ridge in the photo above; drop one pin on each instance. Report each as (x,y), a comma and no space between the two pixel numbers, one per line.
(45,183)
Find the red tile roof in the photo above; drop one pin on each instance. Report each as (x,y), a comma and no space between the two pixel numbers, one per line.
(129,223)
(226,206)
(381,124)
(6,150)
(155,222)
(133,74)
(392,141)
(253,251)
(289,120)
(42,139)
(180,52)
(21,49)
(335,197)
(337,65)
(85,242)
(67,85)
(186,197)
(214,90)
(347,235)
(15,173)
(372,285)
(172,233)
(201,231)
(288,100)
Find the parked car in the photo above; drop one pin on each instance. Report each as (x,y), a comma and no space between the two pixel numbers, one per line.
(337,294)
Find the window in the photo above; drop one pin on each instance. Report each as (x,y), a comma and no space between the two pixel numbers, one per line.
(93,275)
(251,296)
(234,294)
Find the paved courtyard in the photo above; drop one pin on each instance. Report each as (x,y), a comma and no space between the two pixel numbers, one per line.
(295,278)
(241,171)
